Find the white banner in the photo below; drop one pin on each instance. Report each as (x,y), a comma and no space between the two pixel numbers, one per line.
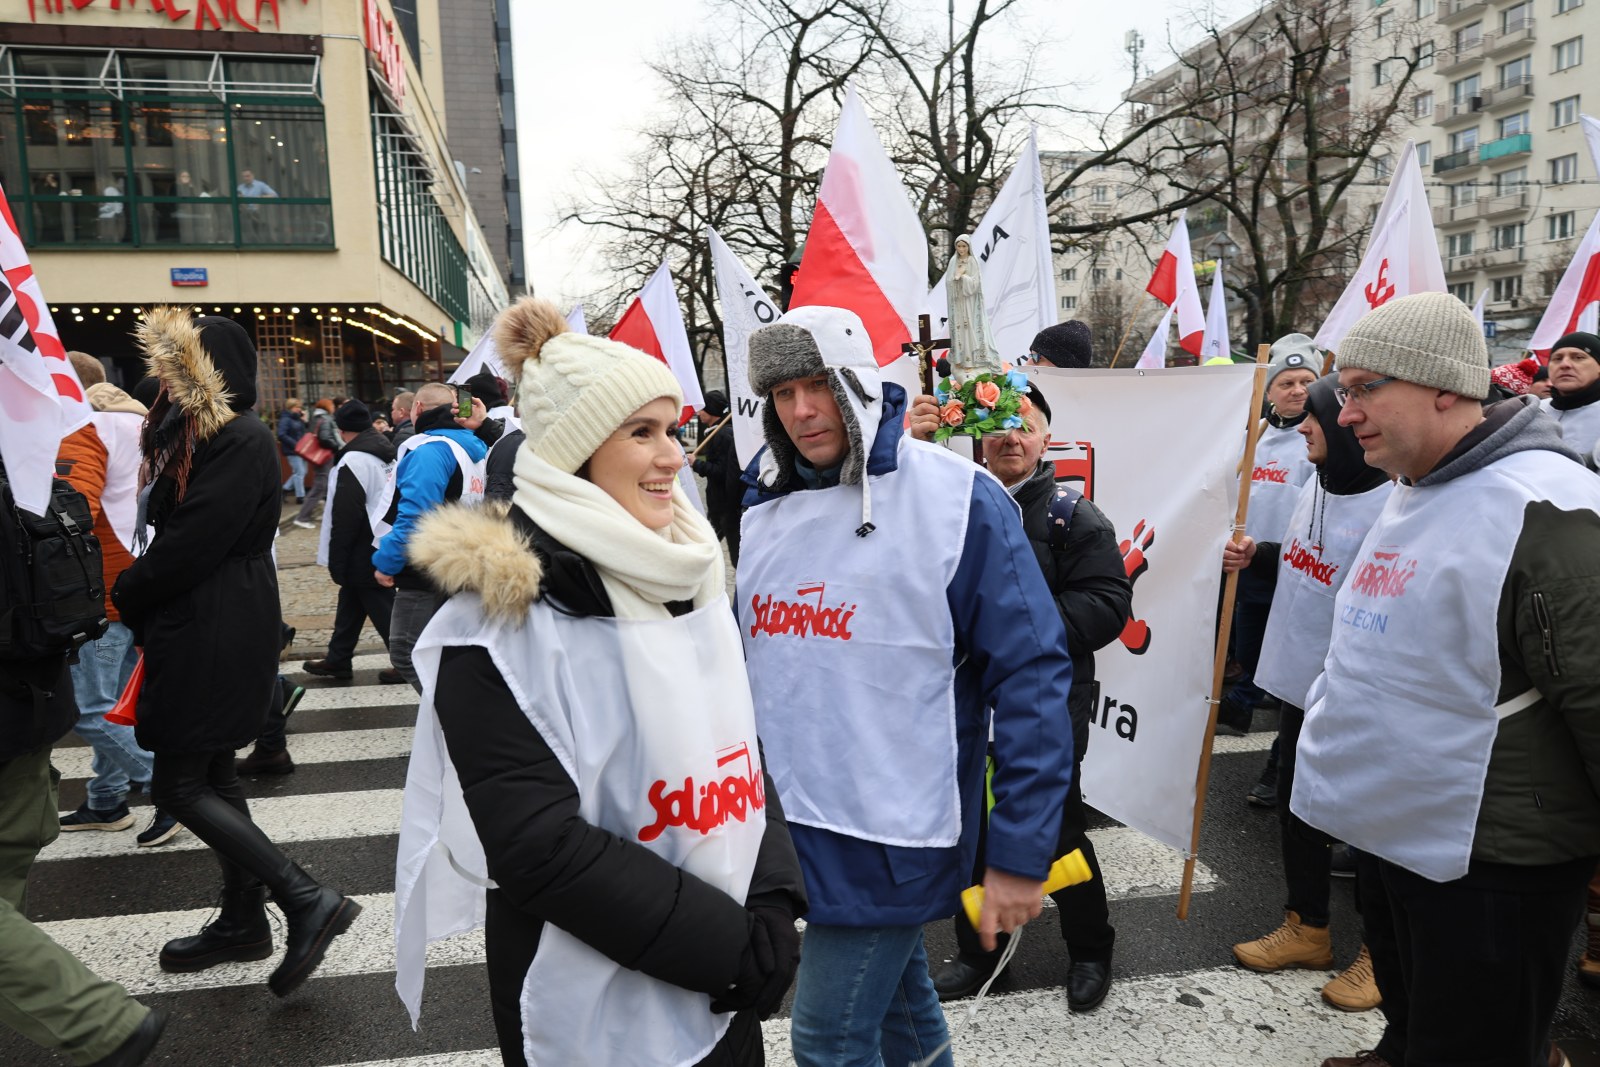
(1013,244)
(483,357)
(1171,497)
(745,307)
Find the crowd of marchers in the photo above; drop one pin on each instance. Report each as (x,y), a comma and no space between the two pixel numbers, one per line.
(638,780)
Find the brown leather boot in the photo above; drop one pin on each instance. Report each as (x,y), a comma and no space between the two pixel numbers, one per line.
(1364,1058)
(1355,989)
(1293,944)
(259,762)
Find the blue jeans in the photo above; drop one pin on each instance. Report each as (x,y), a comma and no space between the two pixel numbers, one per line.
(98,677)
(863,998)
(297,475)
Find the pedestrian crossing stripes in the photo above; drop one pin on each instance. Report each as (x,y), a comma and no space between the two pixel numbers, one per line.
(350,740)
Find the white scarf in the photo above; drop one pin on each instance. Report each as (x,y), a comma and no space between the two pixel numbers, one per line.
(642,569)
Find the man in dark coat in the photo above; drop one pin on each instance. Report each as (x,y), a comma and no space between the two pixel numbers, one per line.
(46,994)
(202,602)
(718,463)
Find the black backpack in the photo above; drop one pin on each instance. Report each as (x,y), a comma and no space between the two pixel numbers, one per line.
(52,577)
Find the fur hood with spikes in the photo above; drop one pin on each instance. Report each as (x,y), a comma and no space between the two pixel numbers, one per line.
(176,356)
(478,550)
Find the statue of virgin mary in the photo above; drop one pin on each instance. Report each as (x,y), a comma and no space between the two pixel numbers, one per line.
(972,348)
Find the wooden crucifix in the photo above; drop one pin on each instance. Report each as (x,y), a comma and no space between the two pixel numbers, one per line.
(923,349)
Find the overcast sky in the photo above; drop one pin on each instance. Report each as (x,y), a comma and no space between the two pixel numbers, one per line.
(583,89)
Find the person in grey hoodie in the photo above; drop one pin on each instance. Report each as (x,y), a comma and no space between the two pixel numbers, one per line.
(1455,731)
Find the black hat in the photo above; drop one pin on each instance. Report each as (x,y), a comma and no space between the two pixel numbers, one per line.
(1540,375)
(1036,397)
(716,403)
(353,417)
(146,389)
(1066,344)
(487,388)
(1586,342)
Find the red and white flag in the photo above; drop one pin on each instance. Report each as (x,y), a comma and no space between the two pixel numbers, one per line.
(1173,284)
(1154,356)
(653,323)
(1402,255)
(1572,305)
(41,399)
(866,250)
(1216,341)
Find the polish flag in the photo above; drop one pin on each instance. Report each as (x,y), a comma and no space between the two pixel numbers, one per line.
(653,323)
(1216,341)
(41,399)
(1173,284)
(866,250)
(1402,256)
(1154,356)
(1572,305)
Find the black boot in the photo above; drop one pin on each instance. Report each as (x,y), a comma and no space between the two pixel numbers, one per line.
(316,916)
(240,932)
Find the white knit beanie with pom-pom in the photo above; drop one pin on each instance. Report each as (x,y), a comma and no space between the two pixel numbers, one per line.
(573,390)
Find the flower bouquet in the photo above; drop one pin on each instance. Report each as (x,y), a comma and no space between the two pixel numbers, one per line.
(983,404)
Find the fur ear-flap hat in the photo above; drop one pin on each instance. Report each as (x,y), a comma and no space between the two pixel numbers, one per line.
(573,390)
(804,343)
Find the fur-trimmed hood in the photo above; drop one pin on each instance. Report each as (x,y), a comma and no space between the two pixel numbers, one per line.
(207,369)
(478,550)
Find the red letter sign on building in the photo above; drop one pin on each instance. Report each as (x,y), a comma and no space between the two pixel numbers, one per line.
(382,42)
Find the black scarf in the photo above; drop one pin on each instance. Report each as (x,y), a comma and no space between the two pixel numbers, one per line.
(1581,398)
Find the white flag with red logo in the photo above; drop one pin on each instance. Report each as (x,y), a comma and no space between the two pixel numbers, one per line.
(1216,341)
(1402,255)
(1173,284)
(1154,355)
(1572,305)
(576,321)
(866,251)
(41,399)
(653,323)
(745,307)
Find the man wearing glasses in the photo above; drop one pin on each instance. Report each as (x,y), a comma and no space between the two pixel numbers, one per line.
(1455,731)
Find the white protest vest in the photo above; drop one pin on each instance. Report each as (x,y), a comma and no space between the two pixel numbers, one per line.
(1580,427)
(1281,469)
(1311,569)
(119,432)
(473,477)
(372,472)
(622,704)
(1396,744)
(848,642)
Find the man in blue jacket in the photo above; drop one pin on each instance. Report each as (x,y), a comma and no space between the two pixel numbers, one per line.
(442,462)
(888,598)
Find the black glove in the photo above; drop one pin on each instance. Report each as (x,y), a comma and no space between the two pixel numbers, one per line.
(768,965)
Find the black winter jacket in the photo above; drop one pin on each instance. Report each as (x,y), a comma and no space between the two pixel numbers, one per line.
(37,706)
(613,894)
(500,468)
(350,535)
(1086,576)
(719,466)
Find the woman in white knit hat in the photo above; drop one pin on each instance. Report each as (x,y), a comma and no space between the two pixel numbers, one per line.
(586,778)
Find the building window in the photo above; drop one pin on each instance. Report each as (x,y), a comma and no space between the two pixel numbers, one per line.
(1462,291)
(1507,236)
(124,149)
(1380,73)
(1422,105)
(1468,37)
(1517,17)
(1458,244)
(1069,274)
(1382,166)
(413,234)
(1462,193)
(1512,125)
(1510,181)
(1424,153)
(1069,303)
(1426,8)
(1517,72)
(1462,92)
(1423,54)
(1506,289)
(1560,226)
(1384,24)
(1097,276)
(1563,6)
(1569,53)
(1564,169)
(1462,140)
(1564,112)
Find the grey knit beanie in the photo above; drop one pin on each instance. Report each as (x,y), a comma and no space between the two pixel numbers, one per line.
(1426,338)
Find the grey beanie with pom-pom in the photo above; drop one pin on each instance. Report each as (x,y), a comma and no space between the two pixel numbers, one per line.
(573,390)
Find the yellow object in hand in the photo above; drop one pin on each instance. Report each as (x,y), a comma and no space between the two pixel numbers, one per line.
(1070,869)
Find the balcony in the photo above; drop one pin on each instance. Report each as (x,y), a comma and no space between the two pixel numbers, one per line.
(1515,145)
(1500,257)
(1461,55)
(1515,92)
(1466,211)
(1453,11)
(1459,111)
(1504,204)
(1467,157)
(1518,33)
(1458,264)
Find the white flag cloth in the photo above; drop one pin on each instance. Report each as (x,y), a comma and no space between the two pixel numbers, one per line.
(653,324)
(576,320)
(1477,310)
(745,307)
(1173,284)
(1572,306)
(1402,255)
(1154,356)
(866,250)
(1013,250)
(1216,341)
(483,357)
(41,399)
